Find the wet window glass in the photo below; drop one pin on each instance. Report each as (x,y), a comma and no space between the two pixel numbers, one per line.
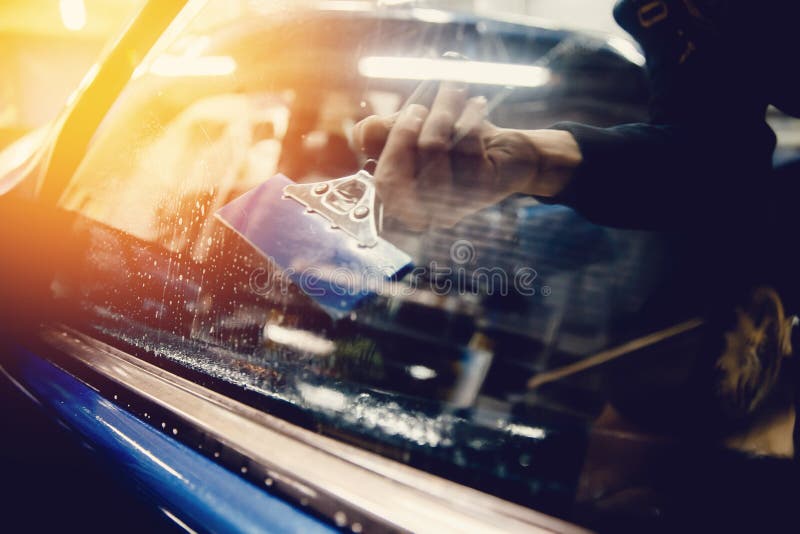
(498,355)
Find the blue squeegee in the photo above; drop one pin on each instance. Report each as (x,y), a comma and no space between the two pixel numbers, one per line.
(324,236)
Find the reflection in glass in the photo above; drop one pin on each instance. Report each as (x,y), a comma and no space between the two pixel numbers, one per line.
(435,369)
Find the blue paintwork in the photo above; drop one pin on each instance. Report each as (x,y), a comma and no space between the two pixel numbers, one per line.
(190,486)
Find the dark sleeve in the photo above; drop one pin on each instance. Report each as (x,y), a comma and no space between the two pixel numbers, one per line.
(779,55)
(707,145)
(660,177)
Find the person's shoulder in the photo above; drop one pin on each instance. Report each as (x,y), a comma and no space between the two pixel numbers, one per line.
(637,15)
(678,27)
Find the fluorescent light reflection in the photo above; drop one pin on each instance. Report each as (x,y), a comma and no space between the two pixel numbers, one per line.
(169,65)
(150,456)
(322,396)
(526,431)
(420,372)
(627,49)
(477,72)
(73,14)
(435,16)
(301,340)
(345,5)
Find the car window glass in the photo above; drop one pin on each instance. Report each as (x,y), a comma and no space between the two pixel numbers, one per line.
(437,369)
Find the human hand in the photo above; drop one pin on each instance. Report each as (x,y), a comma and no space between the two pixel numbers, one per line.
(437,166)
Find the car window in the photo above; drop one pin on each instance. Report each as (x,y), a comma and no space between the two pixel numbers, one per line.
(438,368)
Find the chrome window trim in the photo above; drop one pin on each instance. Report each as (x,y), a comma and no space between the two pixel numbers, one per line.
(316,470)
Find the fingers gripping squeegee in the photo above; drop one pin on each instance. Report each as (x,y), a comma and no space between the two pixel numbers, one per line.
(325,236)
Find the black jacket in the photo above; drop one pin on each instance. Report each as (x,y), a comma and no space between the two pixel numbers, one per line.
(705,157)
